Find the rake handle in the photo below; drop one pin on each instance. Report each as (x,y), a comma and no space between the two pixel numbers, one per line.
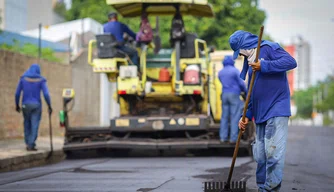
(51,135)
(236,149)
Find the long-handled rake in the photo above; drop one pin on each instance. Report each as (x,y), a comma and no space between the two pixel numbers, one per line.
(239,186)
(51,142)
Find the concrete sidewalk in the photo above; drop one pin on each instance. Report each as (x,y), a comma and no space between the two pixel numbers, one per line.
(14,156)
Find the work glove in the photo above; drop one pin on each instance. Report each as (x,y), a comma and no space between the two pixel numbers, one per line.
(18,109)
(243,95)
(50,110)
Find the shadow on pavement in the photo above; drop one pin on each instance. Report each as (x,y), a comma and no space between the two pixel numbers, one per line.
(121,153)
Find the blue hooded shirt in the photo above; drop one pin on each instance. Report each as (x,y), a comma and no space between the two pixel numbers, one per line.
(32,83)
(271,95)
(229,77)
(118,29)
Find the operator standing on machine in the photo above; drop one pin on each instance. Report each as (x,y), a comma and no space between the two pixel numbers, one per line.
(117,29)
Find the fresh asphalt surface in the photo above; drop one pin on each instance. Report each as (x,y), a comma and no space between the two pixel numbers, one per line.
(308,168)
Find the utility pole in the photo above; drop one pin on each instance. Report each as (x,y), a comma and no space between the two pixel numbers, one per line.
(314,109)
(39,41)
(82,33)
(320,95)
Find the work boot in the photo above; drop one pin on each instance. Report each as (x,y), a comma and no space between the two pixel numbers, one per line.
(223,141)
(232,142)
(31,149)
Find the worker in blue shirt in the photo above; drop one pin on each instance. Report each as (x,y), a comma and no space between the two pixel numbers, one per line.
(269,104)
(31,84)
(233,85)
(118,29)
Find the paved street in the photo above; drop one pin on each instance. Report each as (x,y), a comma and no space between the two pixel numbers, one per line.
(309,158)
(308,168)
(117,174)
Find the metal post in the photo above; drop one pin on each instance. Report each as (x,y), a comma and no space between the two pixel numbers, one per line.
(177,63)
(39,40)
(325,90)
(69,48)
(320,95)
(82,33)
(105,98)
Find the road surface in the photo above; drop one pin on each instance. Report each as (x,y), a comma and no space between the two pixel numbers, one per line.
(308,168)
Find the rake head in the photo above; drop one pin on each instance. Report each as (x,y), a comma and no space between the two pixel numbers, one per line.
(239,186)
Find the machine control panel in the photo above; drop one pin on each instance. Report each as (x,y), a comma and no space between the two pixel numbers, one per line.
(68,93)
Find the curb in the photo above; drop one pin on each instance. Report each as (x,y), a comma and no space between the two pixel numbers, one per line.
(31,160)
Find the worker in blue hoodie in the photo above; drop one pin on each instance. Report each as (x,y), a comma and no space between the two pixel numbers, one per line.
(31,84)
(269,104)
(233,85)
(116,28)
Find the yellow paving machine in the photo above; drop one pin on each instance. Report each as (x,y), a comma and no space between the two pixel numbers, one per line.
(171,100)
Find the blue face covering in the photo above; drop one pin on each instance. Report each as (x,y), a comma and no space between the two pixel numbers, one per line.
(246,40)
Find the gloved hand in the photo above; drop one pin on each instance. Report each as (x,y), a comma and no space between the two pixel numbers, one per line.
(18,109)
(50,110)
(243,95)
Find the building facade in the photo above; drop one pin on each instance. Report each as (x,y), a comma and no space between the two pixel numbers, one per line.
(291,49)
(303,58)
(21,15)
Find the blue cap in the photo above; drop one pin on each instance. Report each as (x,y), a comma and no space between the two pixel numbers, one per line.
(242,40)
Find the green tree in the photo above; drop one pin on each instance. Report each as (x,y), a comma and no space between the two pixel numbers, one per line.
(304,98)
(96,10)
(304,102)
(327,89)
(230,15)
(60,9)
(0,22)
(31,50)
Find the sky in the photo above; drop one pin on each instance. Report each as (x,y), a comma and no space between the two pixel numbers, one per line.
(68,3)
(313,20)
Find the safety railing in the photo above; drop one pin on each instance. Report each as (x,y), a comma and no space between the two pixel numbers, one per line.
(197,43)
(143,65)
(90,51)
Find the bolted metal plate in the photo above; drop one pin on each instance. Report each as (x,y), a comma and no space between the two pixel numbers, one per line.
(158,125)
(122,122)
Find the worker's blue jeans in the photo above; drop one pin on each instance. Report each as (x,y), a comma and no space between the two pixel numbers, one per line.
(32,116)
(132,53)
(231,111)
(269,152)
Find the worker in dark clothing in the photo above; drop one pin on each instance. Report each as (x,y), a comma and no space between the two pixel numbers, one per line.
(32,83)
(118,29)
(269,104)
(233,85)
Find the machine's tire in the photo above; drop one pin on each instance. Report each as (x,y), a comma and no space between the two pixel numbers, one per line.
(161,152)
(120,152)
(103,152)
(68,154)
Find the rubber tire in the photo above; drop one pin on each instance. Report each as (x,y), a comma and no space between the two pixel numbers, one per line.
(69,154)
